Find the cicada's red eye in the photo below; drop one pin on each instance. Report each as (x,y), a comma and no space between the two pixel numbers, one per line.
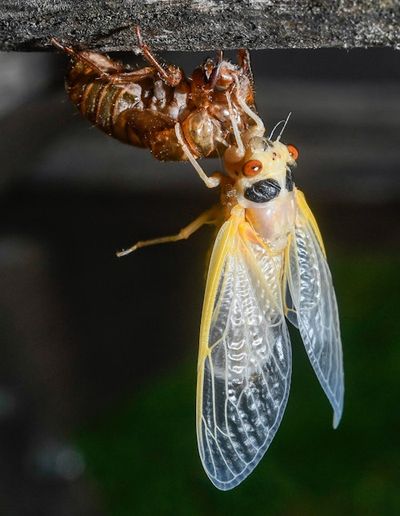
(293,152)
(252,168)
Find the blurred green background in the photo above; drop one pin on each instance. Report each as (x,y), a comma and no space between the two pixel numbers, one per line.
(98,368)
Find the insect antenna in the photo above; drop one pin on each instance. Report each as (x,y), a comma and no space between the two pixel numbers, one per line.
(271,135)
(284,126)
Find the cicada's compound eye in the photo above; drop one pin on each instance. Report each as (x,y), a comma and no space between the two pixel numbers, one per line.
(293,152)
(252,168)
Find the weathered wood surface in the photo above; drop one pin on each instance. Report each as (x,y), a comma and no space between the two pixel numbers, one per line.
(201,24)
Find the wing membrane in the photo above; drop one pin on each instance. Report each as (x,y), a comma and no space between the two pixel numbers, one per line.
(314,306)
(244,358)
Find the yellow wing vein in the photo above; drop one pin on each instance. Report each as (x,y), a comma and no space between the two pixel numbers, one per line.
(308,214)
(221,249)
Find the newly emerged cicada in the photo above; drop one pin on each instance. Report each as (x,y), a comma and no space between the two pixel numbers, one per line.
(268,266)
(142,107)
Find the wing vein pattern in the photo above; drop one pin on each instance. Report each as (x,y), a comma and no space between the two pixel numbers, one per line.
(315,308)
(244,358)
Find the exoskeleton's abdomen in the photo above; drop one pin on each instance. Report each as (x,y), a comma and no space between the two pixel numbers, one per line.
(141,113)
(104,103)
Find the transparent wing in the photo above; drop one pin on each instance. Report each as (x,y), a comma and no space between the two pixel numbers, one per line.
(244,358)
(314,306)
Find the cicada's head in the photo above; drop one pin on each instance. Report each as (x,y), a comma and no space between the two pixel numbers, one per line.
(264,170)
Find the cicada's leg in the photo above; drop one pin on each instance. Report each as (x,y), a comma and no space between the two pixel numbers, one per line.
(259,124)
(172,75)
(208,217)
(239,141)
(210,182)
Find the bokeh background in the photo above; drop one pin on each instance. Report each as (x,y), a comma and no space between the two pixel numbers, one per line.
(98,354)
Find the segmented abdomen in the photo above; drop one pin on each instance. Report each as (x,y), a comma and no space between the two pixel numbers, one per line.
(104,103)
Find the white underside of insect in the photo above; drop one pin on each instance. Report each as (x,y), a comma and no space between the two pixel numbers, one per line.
(268,266)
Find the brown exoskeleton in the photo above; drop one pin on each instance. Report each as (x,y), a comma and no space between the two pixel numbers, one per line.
(159,107)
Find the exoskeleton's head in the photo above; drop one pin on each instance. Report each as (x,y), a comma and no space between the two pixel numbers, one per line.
(264,170)
(225,75)
(220,76)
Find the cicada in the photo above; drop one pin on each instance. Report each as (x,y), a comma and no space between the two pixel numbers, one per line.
(268,266)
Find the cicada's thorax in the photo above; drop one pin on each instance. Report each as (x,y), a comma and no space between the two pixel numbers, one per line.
(274,220)
(265,189)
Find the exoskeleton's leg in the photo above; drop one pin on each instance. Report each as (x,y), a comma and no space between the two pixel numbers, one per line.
(99,63)
(210,182)
(208,217)
(220,56)
(243,58)
(106,67)
(172,75)
(134,76)
(217,70)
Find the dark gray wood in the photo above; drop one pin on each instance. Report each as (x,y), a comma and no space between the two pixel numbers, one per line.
(200,24)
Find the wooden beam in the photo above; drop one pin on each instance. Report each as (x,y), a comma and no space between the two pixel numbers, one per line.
(200,24)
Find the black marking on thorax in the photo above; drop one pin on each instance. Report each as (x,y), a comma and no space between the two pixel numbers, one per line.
(263,191)
(289,180)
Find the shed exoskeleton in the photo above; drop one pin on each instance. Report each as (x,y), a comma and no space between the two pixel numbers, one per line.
(143,107)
